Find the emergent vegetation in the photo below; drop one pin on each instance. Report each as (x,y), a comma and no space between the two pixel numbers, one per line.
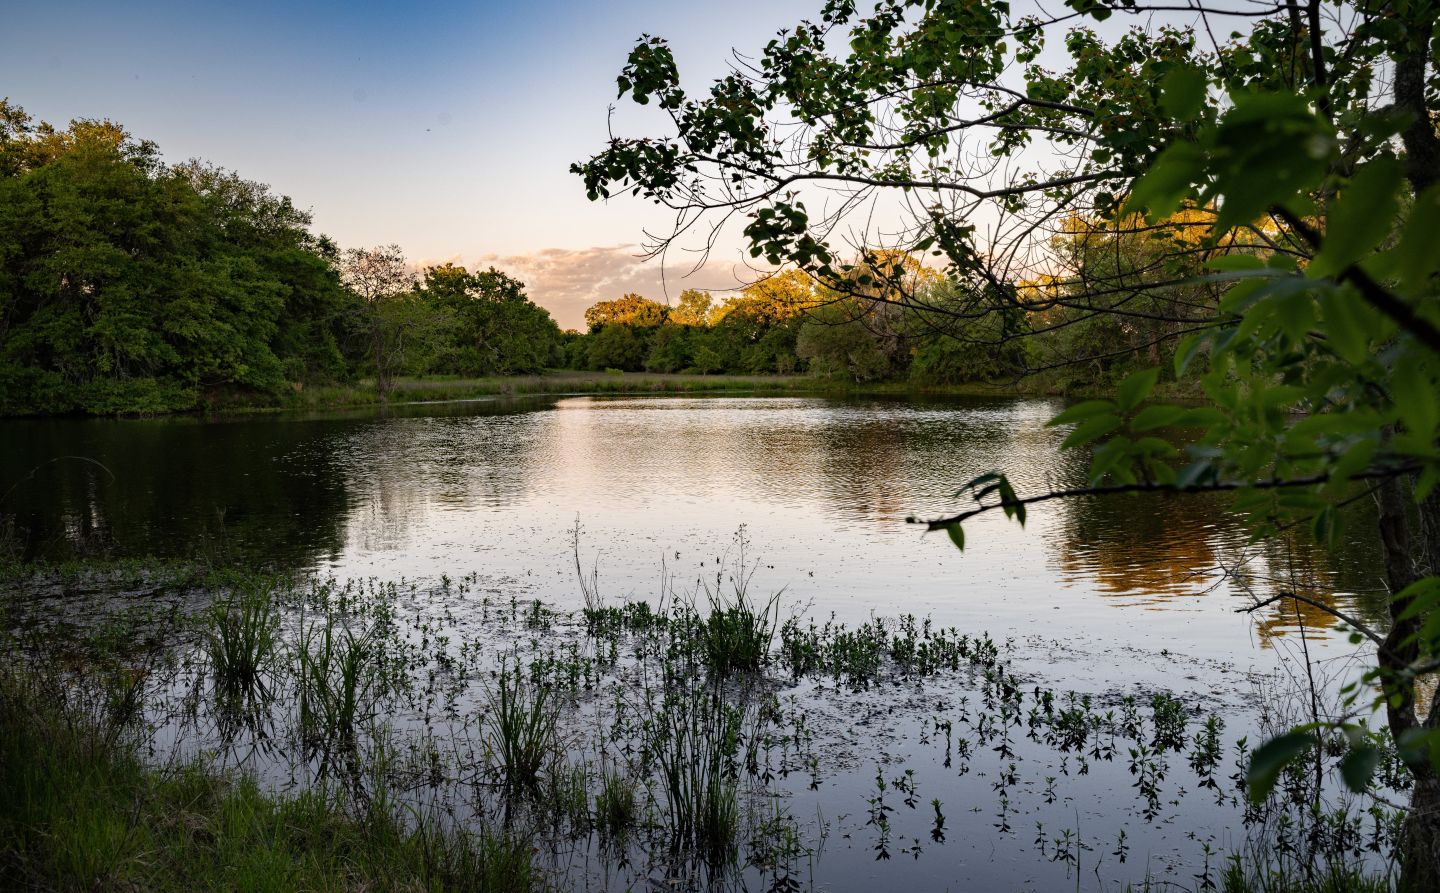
(1245,192)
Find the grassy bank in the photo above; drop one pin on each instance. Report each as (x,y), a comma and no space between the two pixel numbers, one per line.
(567,382)
(79,810)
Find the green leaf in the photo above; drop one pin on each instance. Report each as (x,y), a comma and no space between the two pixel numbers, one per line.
(1418,598)
(1358,766)
(1152,417)
(1182,92)
(1231,262)
(1414,394)
(957,535)
(1091,429)
(1360,218)
(1270,758)
(1167,183)
(1076,413)
(1417,256)
(1185,351)
(1136,387)
(1345,328)
(986,478)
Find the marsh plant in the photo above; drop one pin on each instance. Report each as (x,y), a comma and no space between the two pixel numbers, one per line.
(336,673)
(240,640)
(667,744)
(738,630)
(615,807)
(694,740)
(519,728)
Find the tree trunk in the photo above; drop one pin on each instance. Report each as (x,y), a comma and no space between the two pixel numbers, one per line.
(1408,556)
(377,340)
(1420,839)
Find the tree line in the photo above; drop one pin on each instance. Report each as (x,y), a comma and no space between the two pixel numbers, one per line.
(132,285)
(128,285)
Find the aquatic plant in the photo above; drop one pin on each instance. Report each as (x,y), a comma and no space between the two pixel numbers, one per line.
(615,811)
(335,667)
(693,738)
(240,639)
(518,728)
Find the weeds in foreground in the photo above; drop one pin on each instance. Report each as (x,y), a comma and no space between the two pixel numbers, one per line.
(240,641)
(519,729)
(80,811)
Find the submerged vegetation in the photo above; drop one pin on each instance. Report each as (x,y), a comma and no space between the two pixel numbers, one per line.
(446,737)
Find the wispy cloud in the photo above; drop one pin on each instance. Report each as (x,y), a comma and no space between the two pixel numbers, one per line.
(567,280)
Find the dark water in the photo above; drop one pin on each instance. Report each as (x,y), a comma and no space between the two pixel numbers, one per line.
(823,487)
(1112,597)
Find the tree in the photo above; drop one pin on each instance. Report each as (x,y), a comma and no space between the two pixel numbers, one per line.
(1301,157)
(617,346)
(127,285)
(496,328)
(835,340)
(630,309)
(693,308)
(380,278)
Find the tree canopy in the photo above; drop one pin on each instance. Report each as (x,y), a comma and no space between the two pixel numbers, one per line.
(1246,192)
(130,285)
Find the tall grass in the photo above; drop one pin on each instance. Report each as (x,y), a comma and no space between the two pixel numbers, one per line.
(739,629)
(615,811)
(240,639)
(79,810)
(519,729)
(693,739)
(335,673)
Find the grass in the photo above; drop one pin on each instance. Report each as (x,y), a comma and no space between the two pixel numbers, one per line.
(335,671)
(80,811)
(615,811)
(441,388)
(240,642)
(739,630)
(520,730)
(654,734)
(693,739)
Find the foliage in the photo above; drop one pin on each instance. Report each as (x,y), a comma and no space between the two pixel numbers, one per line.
(629,309)
(127,285)
(79,810)
(132,286)
(1258,214)
(493,328)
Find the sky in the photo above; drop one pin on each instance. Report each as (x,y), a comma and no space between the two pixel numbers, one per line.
(444,127)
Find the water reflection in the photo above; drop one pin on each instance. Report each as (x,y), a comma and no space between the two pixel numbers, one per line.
(823,486)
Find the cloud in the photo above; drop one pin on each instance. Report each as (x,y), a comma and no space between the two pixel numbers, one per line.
(565,281)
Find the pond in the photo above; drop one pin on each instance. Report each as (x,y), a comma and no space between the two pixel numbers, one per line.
(463,509)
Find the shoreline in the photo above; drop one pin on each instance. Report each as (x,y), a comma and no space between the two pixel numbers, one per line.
(413,391)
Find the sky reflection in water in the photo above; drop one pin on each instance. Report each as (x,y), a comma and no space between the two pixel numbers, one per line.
(823,487)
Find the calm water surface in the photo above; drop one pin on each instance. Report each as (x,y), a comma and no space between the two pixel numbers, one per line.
(822,486)
(1098,595)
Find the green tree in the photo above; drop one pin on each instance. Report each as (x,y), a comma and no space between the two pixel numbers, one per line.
(389,318)
(496,329)
(670,349)
(693,308)
(835,340)
(629,309)
(617,346)
(1307,151)
(130,286)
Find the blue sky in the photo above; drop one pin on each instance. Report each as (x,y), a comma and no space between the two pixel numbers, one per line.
(445,127)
